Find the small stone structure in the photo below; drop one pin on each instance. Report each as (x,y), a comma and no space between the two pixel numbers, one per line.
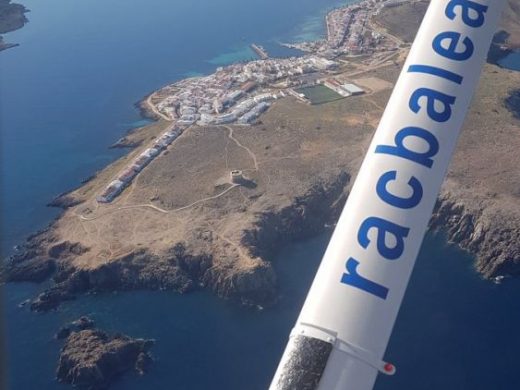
(236,176)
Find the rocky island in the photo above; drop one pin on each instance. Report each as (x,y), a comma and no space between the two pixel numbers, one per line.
(213,205)
(91,359)
(12,17)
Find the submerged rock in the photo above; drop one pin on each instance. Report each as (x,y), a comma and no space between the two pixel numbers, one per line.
(75,326)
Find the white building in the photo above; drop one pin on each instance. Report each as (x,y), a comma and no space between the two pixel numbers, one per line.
(352,89)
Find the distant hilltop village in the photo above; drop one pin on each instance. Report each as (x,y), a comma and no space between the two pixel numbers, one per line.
(240,93)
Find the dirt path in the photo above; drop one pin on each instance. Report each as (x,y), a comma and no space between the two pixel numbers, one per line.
(156,208)
(152,107)
(253,156)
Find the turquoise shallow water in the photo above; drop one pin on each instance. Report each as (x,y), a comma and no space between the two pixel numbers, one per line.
(68,92)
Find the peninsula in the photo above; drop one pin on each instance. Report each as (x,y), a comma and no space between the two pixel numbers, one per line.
(258,154)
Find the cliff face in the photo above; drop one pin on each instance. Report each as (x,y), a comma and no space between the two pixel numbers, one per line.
(186,267)
(479,224)
(484,227)
(304,218)
(138,270)
(182,225)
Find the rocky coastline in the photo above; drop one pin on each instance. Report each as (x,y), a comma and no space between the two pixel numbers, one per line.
(78,325)
(125,143)
(64,200)
(12,17)
(483,228)
(477,225)
(144,109)
(91,359)
(234,260)
(186,267)
(480,222)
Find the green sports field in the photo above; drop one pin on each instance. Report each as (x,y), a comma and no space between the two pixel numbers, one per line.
(319,94)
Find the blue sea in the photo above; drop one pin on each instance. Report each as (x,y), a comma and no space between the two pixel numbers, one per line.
(512,61)
(67,93)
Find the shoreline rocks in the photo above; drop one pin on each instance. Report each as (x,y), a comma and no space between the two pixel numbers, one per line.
(78,325)
(185,268)
(65,200)
(91,359)
(12,17)
(233,259)
(482,228)
(125,143)
(144,110)
(472,224)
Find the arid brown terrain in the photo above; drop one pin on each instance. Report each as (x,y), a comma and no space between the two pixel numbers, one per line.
(183,225)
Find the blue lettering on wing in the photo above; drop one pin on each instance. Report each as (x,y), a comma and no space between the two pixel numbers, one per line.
(397,201)
(452,38)
(384,229)
(403,151)
(472,13)
(434,71)
(434,99)
(352,278)
(416,145)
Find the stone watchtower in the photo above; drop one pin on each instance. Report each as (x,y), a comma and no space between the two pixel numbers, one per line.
(236,176)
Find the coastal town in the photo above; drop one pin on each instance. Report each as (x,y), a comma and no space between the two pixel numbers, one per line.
(240,93)
(349,31)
